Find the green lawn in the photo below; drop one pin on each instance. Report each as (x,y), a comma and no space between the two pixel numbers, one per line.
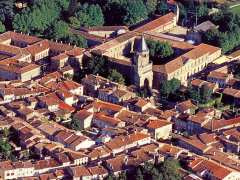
(236,9)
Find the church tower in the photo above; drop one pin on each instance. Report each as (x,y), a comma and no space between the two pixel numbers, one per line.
(143,74)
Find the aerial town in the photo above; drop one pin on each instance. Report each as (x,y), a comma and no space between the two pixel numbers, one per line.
(104,96)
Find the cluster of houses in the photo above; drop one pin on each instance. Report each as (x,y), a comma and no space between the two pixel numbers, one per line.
(96,127)
(112,136)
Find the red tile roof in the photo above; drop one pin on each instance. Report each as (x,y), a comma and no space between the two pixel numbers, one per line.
(161,21)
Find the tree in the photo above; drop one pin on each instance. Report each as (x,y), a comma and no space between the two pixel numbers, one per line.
(113,10)
(37,18)
(162,7)
(206,93)
(73,4)
(75,22)
(202,95)
(68,76)
(98,65)
(115,76)
(174,84)
(194,94)
(211,36)
(2,27)
(60,30)
(75,124)
(163,50)
(77,40)
(150,171)
(169,87)
(159,50)
(136,11)
(169,170)
(202,10)
(6,10)
(90,15)
(151,6)
(5,149)
(182,11)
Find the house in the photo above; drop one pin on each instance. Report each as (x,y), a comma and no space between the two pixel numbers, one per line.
(115,95)
(193,144)
(15,170)
(168,150)
(99,153)
(159,129)
(186,107)
(78,158)
(197,84)
(98,172)
(197,32)
(230,140)
(122,143)
(138,104)
(66,96)
(49,101)
(103,121)
(231,96)
(85,118)
(59,61)
(43,166)
(76,57)
(92,83)
(71,86)
(219,78)
(211,170)
(80,173)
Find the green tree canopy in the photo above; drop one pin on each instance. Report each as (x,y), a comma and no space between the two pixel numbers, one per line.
(37,18)
(136,11)
(75,124)
(60,30)
(5,149)
(6,10)
(151,6)
(98,65)
(202,10)
(169,170)
(162,7)
(159,50)
(115,76)
(2,27)
(202,95)
(89,15)
(169,87)
(77,40)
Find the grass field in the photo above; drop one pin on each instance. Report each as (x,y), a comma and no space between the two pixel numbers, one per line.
(236,9)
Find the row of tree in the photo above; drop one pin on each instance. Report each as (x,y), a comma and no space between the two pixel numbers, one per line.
(44,17)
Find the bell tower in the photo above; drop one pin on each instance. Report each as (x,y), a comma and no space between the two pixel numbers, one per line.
(143,74)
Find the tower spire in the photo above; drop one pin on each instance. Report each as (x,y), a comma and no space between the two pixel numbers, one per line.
(142,45)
